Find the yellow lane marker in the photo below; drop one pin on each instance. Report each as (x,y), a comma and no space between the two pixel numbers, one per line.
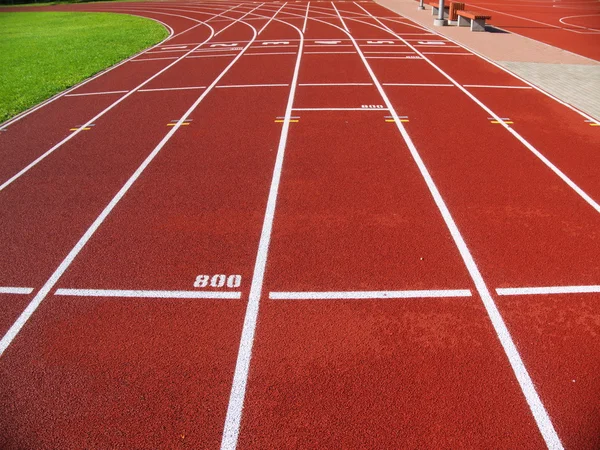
(293,119)
(402,119)
(502,120)
(185,123)
(79,127)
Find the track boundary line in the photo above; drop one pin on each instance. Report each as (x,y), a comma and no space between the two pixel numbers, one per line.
(64,265)
(235,406)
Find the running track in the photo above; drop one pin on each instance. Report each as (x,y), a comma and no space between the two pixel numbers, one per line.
(310,225)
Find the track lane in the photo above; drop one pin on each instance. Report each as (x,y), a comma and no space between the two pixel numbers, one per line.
(260,402)
(139,364)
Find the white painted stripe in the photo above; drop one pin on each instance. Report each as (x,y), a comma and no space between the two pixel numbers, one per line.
(95,93)
(172,89)
(335,84)
(338,295)
(242,367)
(164,47)
(419,84)
(305,18)
(330,53)
(495,87)
(226,86)
(449,53)
(269,53)
(329,45)
(15,290)
(522,375)
(583,289)
(153,59)
(211,56)
(340,109)
(271,19)
(64,265)
(393,57)
(147,294)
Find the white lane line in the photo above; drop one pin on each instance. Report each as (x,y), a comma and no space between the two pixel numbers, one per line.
(172,89)
(107,109)
(64,265)
(583,289)
(394,57)
(340,109)
(15,290)
(419,84)
(95,93)
(305,18)
(330,53)
(495,87)
(522,375)
(338,295)
(242,367)
(147,294)
(227,86)
(271,19)
(153,59)
(335,84)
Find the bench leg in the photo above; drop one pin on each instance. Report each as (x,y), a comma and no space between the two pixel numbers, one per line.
(478,25)
(463,21)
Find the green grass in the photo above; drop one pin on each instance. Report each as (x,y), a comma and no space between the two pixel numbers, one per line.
(42,53)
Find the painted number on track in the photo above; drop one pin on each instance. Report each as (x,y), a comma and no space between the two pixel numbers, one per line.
(218,281)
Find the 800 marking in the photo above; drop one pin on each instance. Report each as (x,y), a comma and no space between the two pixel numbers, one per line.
(218,281)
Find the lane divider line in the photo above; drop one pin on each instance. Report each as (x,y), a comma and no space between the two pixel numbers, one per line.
(235,407)
(66,262)
(15,290)
(228,86)
(542,290)
(366,295)
(536,406)
(233,295)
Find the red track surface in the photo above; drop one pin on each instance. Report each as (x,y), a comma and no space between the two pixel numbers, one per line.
(360,168)
(572,25)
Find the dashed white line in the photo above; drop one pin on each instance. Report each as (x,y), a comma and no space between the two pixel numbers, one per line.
(148,293)
(363,295)
(172,89)
(96,93)
(495,87)
(15,290)
(226,86)
(542,290)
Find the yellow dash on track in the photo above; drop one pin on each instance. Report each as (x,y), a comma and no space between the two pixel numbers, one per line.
(392,120)
(83,129)
(594,124)
(173,124)
(291,120)
(504,121)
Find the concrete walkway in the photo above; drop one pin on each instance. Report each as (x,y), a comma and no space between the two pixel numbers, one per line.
(572,78)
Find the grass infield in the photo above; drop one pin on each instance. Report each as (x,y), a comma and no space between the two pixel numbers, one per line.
(42,53)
